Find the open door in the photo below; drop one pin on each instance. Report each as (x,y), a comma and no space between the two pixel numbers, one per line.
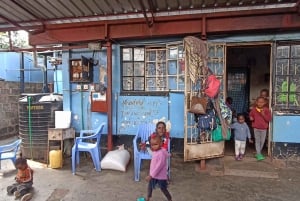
(205,148)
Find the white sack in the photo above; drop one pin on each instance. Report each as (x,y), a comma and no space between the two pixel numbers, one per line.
(116,160)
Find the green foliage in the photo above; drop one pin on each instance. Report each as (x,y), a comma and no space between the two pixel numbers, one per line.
(19,39)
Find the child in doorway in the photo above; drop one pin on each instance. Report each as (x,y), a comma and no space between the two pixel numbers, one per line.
(24,180)
(260,116)
(241,132)
(265,94)
(158,168)
(262,93)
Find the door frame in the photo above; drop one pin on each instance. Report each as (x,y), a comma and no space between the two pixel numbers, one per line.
(257,43)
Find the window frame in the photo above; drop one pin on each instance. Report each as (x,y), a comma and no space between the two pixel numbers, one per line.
(286,91)
(161,85)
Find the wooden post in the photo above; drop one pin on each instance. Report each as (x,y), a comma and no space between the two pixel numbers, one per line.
(202,165)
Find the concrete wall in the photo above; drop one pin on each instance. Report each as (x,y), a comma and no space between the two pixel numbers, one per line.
(9,97)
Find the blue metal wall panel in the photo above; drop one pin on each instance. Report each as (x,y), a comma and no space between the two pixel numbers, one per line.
(78,101)
(2,65)
(58,82)
(176,114)
(10,68)
(286,128)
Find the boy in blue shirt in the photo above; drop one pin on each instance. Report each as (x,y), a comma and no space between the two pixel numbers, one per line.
(241,132)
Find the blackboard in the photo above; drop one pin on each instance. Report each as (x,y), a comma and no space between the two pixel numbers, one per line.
(136,110)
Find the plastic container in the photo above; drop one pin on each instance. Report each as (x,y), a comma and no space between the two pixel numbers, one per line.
(62,119)
(55,158)
(34,123)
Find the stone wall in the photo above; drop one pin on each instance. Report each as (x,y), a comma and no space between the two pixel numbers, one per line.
(9,98)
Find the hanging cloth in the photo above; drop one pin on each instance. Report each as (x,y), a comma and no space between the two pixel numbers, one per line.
(195,57)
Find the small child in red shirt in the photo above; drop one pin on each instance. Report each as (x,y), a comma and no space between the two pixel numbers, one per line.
(24,181)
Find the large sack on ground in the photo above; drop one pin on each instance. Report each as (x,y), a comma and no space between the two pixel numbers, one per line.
(116,160)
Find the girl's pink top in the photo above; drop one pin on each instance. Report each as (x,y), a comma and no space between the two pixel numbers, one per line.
(158,165)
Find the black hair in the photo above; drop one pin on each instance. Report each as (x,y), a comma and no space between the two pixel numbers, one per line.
(160,122)
(264,90)
(240,115)
(21,161)
(229,99)
(260,97)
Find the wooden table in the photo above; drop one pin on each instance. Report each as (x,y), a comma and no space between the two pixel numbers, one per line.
(59,134)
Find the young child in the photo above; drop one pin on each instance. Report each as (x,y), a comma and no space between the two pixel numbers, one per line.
(260,116)
(24,180)
(241,132)
(158,168)
(229,102)
(160,130)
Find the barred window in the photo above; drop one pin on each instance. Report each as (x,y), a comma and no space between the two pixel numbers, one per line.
(152,68)
(286,87)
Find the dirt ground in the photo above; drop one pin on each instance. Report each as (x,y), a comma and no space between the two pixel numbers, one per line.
(223,179)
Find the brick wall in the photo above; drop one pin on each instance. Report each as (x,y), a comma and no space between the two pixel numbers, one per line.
(9,98)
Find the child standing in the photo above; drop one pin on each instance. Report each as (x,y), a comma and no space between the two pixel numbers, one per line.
(260,115)
(241,132)
(24,180)
(158,168)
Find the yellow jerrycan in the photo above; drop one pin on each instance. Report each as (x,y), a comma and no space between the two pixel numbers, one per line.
(55,159)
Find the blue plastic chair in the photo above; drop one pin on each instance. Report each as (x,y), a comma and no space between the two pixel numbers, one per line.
(9,151)
(142,135)
(91,144)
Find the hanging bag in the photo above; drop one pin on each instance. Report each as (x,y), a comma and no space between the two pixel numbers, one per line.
(207,121)
(217,134)
(212,86)
(198,105)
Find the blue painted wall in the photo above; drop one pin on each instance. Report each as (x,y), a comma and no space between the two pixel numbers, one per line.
(78,101)
(128,111)
(10,65)
(286,128)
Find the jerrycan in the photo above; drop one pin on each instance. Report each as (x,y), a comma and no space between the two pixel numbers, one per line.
(55,159)
(141,199)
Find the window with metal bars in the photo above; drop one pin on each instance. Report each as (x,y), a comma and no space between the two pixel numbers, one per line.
(286,88)
(152,68)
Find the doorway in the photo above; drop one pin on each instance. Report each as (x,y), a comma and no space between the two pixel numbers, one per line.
(248,72)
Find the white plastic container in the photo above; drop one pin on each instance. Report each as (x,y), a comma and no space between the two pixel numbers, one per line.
(62,119)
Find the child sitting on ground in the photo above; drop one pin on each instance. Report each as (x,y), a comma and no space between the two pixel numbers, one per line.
(241,132)
(158,168)
(24,181)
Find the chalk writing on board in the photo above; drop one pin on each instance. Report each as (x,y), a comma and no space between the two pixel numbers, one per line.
(134,111)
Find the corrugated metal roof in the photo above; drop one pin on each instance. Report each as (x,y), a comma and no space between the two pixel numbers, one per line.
(25,13)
